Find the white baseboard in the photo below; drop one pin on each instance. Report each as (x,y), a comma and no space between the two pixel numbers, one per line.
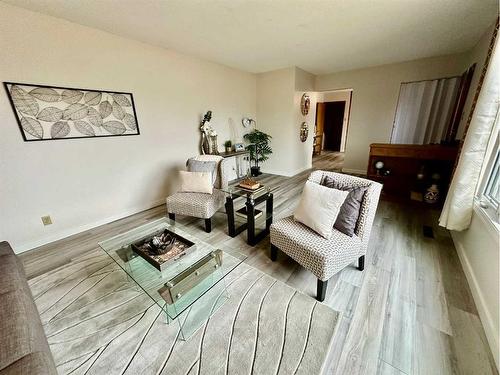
(479,299)
(285,173)
(82,228)
(355,171)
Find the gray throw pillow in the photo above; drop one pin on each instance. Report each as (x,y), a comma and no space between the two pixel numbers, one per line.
(347,219)
(194,165)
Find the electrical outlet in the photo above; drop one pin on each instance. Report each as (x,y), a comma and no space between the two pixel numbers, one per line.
(46,220)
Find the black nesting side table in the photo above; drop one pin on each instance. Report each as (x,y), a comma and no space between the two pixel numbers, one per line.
(252,200)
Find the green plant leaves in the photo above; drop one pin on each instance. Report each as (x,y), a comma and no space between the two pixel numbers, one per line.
(259,148)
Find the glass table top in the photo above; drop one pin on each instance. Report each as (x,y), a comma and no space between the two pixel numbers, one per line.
(151,280)
(235,191)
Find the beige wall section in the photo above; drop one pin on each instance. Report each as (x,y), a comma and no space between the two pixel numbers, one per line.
(275,117)
(475,56)
(85,182)
(278,113)
(304,83)
(478,248)
(374,99)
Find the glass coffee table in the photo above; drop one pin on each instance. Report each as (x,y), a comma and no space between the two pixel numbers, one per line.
(194,283)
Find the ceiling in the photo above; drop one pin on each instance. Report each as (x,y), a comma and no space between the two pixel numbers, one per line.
(320,36)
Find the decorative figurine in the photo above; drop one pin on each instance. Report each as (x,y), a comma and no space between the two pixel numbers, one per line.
(208,136)
(432,195)
(304,131)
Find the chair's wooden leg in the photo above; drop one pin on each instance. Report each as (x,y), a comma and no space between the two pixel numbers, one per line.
(274,252)
(361,263)
(321,290)
(208,225)
(171,216)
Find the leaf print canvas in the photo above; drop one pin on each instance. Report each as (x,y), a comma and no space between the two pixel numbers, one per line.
(49,112)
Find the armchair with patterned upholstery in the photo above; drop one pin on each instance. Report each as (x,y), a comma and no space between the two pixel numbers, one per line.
(325,257)
(201,205)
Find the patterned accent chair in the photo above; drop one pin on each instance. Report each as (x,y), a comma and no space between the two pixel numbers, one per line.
(201,205)
(324,258)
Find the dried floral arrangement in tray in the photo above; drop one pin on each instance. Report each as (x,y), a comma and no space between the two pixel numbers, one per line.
(163,248)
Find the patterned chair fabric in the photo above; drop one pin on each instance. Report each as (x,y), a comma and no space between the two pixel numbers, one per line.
(323,257)
(198,204)
(195,204)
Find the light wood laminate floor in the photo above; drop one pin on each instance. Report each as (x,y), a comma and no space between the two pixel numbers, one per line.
(410,311)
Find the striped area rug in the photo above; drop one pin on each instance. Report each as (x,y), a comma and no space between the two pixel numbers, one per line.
(98,321)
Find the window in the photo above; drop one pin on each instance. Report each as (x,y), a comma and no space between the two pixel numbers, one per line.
(489,191)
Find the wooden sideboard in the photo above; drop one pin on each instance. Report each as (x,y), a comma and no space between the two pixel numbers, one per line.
(405,163)
(237,165)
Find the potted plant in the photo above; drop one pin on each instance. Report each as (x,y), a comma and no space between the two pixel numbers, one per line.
(259,149)
(228,145)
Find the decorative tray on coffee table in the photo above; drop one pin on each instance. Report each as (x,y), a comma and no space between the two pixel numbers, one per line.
(163,248)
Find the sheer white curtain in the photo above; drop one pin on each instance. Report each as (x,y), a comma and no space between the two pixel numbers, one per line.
(424,111)
(457,210)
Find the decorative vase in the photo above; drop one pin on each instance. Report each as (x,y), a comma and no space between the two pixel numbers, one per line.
(228,150)
(255,171)
(432,194)
(214,148)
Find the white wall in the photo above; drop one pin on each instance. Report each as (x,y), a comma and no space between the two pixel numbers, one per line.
(275,117)
(374,99)
(304,83)
(478,248)
(278,113)
(85,182)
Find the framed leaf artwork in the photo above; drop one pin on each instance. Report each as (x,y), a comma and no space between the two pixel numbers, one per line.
(50,112)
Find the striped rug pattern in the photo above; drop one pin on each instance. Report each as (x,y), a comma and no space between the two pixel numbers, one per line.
(98,321)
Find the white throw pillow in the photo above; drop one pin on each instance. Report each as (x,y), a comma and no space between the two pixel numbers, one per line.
(196,182)
(319,207)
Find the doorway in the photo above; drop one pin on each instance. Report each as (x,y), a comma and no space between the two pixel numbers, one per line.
(333,124)
(332,121)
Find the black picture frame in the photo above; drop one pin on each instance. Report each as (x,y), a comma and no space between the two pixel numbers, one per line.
(17,113)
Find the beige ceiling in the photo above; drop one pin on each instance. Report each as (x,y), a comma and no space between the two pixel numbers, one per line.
(320,36)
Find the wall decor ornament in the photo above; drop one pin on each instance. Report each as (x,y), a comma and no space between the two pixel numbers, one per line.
(305,103)
(304,131)
(51,112)
(247,122)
